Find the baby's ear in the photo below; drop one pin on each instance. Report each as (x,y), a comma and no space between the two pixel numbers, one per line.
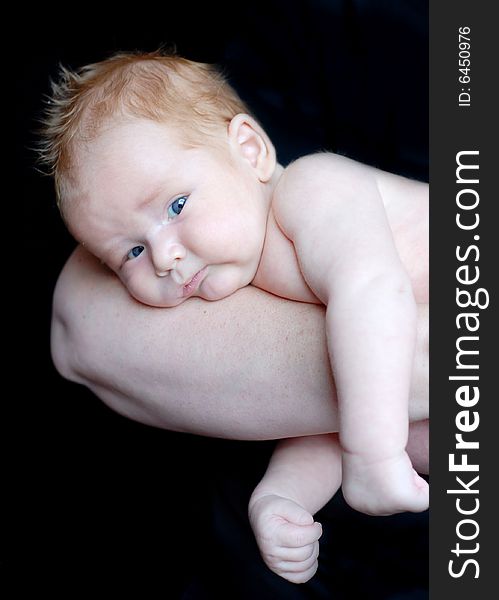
(251,142)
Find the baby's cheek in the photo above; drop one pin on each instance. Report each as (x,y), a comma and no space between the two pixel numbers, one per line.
(216,241)
(221,284)
(140,287)
(154,291)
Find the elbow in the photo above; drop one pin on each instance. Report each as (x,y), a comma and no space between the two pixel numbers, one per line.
(63,339)
(401,300)
(60,348)
(397,286)
(392,282)
(403,288)
(390,292)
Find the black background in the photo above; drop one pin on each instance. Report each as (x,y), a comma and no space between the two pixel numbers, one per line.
(105,504)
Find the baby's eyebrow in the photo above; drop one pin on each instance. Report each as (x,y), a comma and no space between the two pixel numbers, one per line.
(111,254)
(148,198)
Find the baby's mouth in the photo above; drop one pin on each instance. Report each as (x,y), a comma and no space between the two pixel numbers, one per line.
(191,286)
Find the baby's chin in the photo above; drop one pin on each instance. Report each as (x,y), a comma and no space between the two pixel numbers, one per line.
(159,303)
(155,301)
(216,286)
(220,285)
(210,295)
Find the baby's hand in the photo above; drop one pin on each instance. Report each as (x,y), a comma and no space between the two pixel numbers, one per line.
(287,537)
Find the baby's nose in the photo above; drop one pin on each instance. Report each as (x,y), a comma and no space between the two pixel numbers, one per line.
(165,258)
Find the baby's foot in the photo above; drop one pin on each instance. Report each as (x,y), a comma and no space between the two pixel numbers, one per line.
(383,487)
(287,537)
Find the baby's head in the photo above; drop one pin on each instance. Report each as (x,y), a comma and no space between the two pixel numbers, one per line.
(162,174)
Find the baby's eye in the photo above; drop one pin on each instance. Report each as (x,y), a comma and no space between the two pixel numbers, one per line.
(176,206)
(134,252)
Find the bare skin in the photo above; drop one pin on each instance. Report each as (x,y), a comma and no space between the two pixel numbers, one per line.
(247,348)
(121,350)
(175,222)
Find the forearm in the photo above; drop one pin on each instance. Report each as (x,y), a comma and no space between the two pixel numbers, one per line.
(371,339)
(251,366)
(306,470)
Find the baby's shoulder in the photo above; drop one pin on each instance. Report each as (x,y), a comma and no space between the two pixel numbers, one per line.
(324,165)
(332,182)
(313,183)
(320,173)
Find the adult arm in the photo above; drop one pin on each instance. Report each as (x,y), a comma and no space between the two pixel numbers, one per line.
(251,366)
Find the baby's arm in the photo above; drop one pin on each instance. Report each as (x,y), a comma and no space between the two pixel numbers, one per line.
(303,474)
(331,209)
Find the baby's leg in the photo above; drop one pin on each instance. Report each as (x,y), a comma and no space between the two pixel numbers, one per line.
(303,474)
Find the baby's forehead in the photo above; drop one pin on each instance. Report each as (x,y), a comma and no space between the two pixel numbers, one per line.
(129,139)
(131,154)
(119,132)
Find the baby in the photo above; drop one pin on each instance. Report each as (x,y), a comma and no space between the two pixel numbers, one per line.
(162,173)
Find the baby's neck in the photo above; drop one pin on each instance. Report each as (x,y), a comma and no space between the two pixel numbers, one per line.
(272,184)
